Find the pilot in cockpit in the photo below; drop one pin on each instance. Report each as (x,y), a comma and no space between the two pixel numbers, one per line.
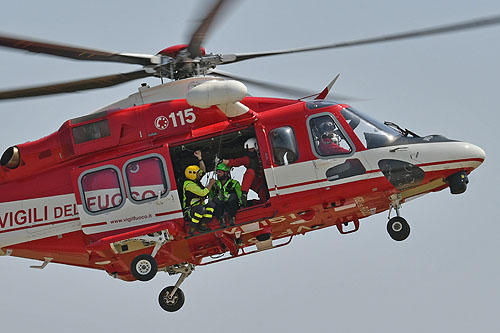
(328,141)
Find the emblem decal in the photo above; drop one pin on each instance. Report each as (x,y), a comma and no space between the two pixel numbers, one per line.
(133,168)
(161,122)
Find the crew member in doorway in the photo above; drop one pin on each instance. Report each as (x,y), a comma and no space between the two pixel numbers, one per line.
(254,175)
(226,195)
(194,193)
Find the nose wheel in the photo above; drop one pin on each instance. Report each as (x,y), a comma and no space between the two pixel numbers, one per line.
(397,227)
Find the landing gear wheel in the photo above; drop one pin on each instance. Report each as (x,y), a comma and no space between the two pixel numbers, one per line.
(172,303)
(144,267)
(398,228)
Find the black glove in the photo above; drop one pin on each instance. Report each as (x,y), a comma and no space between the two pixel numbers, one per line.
(217,160)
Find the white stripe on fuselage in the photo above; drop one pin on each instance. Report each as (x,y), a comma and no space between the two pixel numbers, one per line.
(31,219)
(437,156)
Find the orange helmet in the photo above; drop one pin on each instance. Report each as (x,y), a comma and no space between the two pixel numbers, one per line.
(191,172)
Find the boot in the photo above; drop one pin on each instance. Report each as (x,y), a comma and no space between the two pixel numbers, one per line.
(244,195)
(230,219)
(193,227)
(203,228)
(222,222)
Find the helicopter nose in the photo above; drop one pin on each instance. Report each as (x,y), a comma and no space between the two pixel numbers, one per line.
(473,153)
(471,157)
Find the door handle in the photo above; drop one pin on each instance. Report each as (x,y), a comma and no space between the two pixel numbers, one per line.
(398,149)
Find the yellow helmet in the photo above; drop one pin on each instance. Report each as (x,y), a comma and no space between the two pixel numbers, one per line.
(191,172)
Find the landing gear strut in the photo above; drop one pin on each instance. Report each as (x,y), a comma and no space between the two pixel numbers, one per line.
(144,266)
(172,298)
(397,227)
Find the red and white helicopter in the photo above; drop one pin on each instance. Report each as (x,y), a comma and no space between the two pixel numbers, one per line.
(106,188)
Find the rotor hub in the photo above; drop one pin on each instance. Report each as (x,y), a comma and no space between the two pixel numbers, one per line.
(173,51)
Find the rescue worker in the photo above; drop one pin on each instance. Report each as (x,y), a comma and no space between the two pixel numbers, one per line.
(226,195)
(196,211)
(254,175)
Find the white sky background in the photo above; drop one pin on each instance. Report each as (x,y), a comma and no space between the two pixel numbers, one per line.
(444,278)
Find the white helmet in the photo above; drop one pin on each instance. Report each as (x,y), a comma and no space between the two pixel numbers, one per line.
(251,143)
(327,129)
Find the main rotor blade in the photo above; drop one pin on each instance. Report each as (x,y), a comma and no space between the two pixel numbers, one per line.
(78,53)
(282,89)
(199,34)
(292,91)
(478,23)
(72,86)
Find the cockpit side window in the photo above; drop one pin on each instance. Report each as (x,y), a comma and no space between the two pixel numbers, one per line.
(327,138)
(284,145)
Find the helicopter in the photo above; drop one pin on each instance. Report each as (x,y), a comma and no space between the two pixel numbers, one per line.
(113,227)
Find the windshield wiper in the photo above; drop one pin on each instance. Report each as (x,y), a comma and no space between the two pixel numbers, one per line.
(405,131)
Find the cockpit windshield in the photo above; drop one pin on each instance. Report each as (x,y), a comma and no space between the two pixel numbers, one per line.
(371,132)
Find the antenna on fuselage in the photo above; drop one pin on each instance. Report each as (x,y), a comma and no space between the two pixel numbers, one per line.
(325,92)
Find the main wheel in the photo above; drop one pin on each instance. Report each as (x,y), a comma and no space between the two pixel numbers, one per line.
(172,303)
(398,228)
(144,267)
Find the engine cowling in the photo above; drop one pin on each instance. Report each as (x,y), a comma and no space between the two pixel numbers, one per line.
(11,158)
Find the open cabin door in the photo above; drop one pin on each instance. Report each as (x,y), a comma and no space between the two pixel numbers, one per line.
(126,192)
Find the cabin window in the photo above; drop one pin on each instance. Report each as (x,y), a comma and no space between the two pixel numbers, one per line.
(146,178)
(92,131)
(284,145)
(327,138)
(101,189)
